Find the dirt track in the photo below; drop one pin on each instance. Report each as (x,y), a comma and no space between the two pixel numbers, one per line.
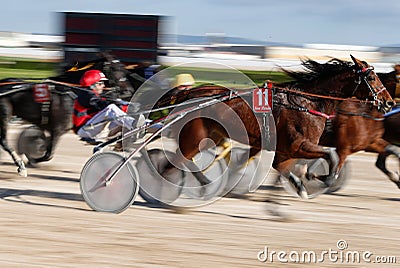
(46,223)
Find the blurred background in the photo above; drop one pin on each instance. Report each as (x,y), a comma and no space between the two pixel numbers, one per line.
(258,37)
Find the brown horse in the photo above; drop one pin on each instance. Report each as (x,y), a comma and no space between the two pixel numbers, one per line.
(365,125)
(391,81)
(305,130)
(298,130)
(379,131)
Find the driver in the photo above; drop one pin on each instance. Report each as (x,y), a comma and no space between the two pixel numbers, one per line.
(92,113)
(181,82)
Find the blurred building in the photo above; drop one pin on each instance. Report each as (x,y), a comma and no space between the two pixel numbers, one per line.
(138,38)
(131,38)
(33,46)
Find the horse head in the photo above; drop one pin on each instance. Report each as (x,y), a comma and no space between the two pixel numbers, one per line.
(376,90)
(109,65)
(344,79)
(117,75)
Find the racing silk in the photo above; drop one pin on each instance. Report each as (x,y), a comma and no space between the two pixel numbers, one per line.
(80,116)
(87,105)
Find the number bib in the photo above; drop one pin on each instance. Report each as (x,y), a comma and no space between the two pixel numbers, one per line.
(262,100)
(41,93)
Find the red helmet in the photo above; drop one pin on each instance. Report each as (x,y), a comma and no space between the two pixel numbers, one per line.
(92,76)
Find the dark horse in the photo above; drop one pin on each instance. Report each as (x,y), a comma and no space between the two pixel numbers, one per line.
(297,129)
(53,115)
(46,105)
(122,82)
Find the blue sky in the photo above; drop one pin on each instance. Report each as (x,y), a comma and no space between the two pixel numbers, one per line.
(355,22)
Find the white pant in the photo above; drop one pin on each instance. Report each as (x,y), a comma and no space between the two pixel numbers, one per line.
(111,114)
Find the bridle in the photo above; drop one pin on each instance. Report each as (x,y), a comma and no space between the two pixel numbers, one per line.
(364,74)
(108,68)
(117,74)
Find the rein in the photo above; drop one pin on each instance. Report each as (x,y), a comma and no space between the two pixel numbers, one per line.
(301,93)
(364,74)
(231,93)
(306,110)
(362,115)
(22,86)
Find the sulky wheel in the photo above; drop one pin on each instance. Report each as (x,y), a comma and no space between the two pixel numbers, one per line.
(119,193)
(237,161)
(214,169)
(153,187)
(32,142)
(247,174)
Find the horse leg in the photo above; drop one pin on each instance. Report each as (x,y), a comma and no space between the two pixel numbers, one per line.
(381,162)
(311,150)
(17,160)
(384,149)
(50,147)
(190,143)
(49,150)
(283,163)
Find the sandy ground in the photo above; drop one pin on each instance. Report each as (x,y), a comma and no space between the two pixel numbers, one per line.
(46,223)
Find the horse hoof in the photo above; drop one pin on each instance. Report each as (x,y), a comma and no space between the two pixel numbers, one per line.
(298,185)
(22,172)
(330,180)
(303,193)
(21,168)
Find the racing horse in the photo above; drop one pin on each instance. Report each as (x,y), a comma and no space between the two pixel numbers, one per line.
(298,130)
(121,84)
(383,132)
(360,126)
(45,105)
(391,80)
(379,133)
(305,129)
(48,104)
(367,123)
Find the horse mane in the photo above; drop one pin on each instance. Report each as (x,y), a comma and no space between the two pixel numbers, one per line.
(315,71)
(73,72)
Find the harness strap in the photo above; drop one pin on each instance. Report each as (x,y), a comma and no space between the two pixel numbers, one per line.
(362,114)
(301,93)
(314,112)
(45,106)
(45,111)
(302,109)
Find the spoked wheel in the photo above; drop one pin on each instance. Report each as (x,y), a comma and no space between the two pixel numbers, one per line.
(311,188)
(119,193)
(247,174)
(214,169)
(154,188)
(32,142)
